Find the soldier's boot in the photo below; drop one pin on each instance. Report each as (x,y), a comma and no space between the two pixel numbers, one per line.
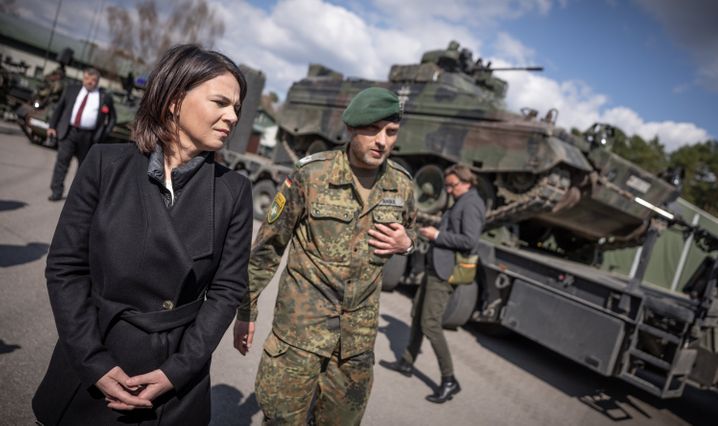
(400,366)
(449,387)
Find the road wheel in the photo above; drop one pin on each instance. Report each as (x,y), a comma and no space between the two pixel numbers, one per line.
(429,189)
(461,305)
(393,271)
(262,195)
(317,145)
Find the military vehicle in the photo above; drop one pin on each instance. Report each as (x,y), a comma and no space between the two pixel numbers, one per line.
(16,86)
(264,171)
(33,118)
(553,185)
(557,202)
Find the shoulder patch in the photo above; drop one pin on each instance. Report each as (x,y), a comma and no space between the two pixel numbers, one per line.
(319,156)
(400,168)
(277,207)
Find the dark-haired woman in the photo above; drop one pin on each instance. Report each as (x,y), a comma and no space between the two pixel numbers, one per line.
(149,259)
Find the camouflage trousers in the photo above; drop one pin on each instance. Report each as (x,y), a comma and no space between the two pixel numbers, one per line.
(288,379)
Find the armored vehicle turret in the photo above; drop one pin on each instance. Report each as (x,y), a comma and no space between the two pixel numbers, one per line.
(558,189)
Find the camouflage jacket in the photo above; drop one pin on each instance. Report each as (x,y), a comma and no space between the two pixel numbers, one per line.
(329,291)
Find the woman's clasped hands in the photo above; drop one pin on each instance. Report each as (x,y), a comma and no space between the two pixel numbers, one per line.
(129,393)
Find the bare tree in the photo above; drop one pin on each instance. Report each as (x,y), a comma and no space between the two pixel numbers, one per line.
(149,33)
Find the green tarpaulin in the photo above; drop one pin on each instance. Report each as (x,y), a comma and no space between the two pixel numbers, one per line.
(668,251)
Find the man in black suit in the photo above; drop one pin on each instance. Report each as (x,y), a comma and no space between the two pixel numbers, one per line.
(458,232)
(84,115)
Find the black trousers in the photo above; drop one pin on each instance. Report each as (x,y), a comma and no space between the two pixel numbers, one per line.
(76,144)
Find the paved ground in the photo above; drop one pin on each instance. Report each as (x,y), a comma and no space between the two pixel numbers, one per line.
(506,381)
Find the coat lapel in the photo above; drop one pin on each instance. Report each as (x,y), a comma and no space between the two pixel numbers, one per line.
(193,214)
(163,242)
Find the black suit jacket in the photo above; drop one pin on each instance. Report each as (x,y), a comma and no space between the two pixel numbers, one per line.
(459,231)
(118,254)
(106,116)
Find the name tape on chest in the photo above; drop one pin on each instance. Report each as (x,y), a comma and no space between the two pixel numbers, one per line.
(395,202)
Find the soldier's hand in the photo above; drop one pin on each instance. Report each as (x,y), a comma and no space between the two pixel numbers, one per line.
(118,394)
(243,335)
(51,133)
(388,240)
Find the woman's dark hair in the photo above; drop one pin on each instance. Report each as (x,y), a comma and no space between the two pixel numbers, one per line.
(463,172)
(179,70)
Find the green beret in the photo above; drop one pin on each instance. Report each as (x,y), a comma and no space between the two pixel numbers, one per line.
(371,105)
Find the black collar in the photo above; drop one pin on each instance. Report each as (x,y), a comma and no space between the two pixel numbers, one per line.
(180,175)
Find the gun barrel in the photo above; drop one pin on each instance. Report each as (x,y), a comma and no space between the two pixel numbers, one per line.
(517,69)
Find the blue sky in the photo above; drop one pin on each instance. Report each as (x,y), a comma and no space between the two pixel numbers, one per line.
(647,66)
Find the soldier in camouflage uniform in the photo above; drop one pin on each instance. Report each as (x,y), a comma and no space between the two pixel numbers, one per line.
(343,214)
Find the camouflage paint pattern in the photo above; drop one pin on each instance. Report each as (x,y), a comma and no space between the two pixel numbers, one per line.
(329,291)
(288,377)
(456,113)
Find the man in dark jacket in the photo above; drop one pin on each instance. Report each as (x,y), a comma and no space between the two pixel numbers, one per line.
(84,115)
(459,231)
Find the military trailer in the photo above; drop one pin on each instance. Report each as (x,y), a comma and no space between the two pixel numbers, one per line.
(615,324)
(556,203)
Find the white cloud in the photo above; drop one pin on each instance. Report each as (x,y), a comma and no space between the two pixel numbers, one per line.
(513,50)
(470,12)
(294,33)
(672,134)
(578,105)
(361,41)
(282,41)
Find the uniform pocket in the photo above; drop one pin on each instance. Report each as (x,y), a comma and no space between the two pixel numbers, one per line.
(332,228)
(332,211)
(274,347)
(384,215)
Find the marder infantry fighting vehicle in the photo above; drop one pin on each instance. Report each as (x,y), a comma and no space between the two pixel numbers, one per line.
(570,190)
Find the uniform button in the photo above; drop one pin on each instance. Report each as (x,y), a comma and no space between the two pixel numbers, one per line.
(168,305)
(349,282)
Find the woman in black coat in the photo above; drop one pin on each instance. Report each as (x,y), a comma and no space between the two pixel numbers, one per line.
(149,258)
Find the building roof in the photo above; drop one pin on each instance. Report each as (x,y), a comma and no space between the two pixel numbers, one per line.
(35,36)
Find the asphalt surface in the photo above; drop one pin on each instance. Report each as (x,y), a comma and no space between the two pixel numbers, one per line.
(505,380)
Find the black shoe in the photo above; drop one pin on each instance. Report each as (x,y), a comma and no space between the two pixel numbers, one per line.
(399,366)
(449,388)
(54,197)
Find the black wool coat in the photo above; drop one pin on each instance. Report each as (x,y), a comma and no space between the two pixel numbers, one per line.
(135,284)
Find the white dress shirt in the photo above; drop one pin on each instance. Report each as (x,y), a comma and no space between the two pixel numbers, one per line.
(89,114)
